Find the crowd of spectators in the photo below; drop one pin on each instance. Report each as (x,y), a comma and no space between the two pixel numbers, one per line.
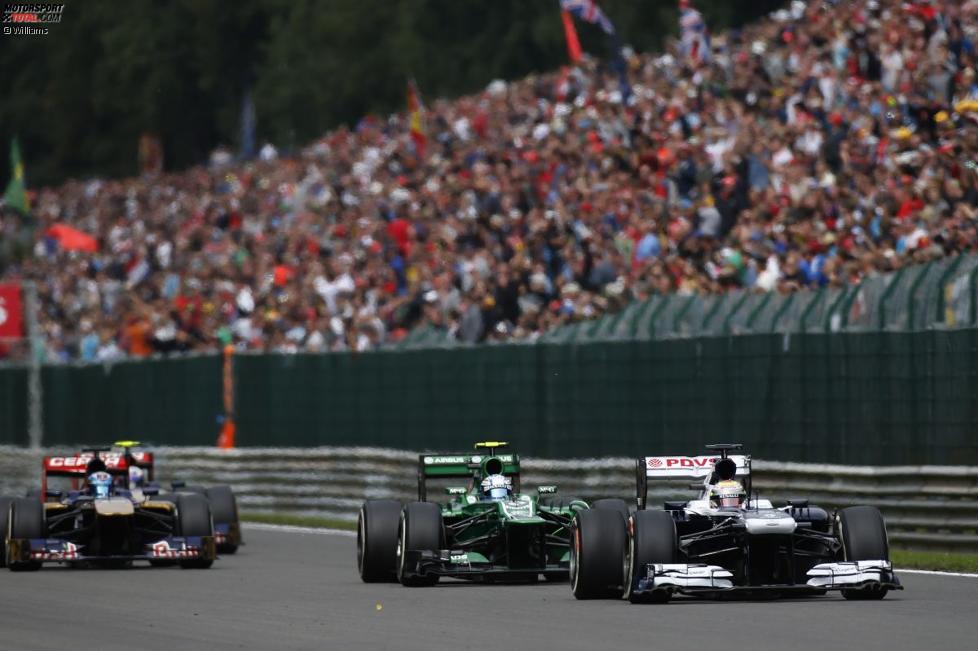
(826,142)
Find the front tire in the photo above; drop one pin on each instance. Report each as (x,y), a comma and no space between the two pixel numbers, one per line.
(377,539)
(863,534)
(224,509)
(420,530)
(653,540)
(194,519)
(26,521)
(4,514)
(597,554)
(612,504)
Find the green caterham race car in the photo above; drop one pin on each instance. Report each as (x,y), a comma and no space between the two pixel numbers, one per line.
(487,530)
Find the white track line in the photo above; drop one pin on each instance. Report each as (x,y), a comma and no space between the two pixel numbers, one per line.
(343,532)
(320,531)
(936,573)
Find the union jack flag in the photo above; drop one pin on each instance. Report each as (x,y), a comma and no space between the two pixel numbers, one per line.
(589,12)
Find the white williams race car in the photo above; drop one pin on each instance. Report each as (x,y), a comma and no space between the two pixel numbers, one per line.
(726,541)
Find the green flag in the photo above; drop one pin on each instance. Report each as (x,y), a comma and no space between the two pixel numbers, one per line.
(16,194)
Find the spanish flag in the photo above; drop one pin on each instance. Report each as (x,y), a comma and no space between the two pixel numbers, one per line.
(416,118)
(16,194)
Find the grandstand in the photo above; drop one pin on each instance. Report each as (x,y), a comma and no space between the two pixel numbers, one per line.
(823,145)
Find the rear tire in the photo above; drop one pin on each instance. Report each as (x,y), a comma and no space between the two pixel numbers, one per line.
(653,540)
(224,510)
(863,535)
(377,539)
(194,519)
(420,530)
(597,554)
(26,521)
(4,514)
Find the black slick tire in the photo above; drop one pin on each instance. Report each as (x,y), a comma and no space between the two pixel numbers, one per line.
(194,519)
(420,529)
(224,510)
(862,532)
(26,521)
(612,504)
(653,540)
(377,538)
(597,554)
(4,514)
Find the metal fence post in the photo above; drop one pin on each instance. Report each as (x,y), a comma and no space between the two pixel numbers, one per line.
(827,324)
(733,312)
(757,310)
(682,312)
(973,285)
(781,311)
(881,308)
(811,306)
(941,317)
(655,314)
(913,292)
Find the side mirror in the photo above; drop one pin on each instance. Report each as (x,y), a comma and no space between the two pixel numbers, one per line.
(54,494)
(177,484)
(546,490)
(455,490)
(798,503)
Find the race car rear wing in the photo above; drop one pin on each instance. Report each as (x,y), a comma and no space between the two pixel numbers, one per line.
(679,468)
(74,466)
(467,466)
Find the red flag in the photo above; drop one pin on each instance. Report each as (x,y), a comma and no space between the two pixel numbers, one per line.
(570,33)
(72,239)
(416,118)
(11,312)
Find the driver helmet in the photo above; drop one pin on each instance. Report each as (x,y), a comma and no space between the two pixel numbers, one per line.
(137,477)
(101,484)
(496,488)
(728,494)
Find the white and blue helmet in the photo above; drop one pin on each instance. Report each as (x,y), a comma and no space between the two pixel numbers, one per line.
(496,487)
(100,483)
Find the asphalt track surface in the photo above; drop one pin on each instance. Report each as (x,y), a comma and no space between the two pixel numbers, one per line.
(294,590)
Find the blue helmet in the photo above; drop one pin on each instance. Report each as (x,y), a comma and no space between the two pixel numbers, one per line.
(101,484)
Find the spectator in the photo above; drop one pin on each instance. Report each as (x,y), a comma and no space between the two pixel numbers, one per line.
(827,142)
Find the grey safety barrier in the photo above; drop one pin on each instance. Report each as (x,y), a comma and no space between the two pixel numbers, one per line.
(926,507)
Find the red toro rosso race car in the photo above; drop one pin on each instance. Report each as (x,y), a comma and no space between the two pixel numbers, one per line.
(98,520)
(726,540)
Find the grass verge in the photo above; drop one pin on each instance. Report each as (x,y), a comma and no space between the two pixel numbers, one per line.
(941,561)
(298,520)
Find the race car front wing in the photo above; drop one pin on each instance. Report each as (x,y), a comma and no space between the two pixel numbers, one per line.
(700,578)
(468,565)
(53,550)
